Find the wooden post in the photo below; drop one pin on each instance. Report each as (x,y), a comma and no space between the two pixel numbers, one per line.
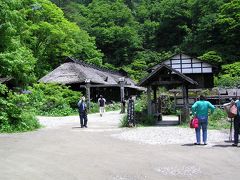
(155,110)
(121,81)
(155,94)
(185,102)
(122,90)
(149,89)
(175,101)
(87,81)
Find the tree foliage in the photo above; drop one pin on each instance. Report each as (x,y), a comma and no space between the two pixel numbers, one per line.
(37,35)
(15,115)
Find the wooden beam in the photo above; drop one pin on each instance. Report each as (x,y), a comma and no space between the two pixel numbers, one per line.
(114,85)
(166,82)
(88,94)
(122,91)
(101,85)
(149,89)
(185,102)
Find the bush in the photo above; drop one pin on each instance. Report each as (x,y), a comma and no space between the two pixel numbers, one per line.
(226,81)
(141,116)
(124,121)
(94,108)
(113,106)
(141,103)
(145,120)
(15,114)
(53,99)
(218,120)
(109,107)
(230,76)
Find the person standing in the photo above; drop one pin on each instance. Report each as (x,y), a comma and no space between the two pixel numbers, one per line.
(130,112)
(200,110)
(82,109)
(236,124)
(101,102)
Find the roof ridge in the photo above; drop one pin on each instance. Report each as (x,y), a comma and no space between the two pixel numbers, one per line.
(94,66)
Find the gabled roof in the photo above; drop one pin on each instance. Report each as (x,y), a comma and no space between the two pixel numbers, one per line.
(186,64)
(183,77)
(76,71)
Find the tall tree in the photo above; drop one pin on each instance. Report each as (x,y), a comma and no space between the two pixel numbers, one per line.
(228,22)
(16,59)
(52,37)
(114,27)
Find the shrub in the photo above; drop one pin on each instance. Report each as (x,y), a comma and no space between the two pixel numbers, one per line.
(15,115)
(94,108)
(113,106)
(109,107)
(145,120)
(53,99)
(227,81)
(141,103)
(218,120)
(124,121)
(141,116)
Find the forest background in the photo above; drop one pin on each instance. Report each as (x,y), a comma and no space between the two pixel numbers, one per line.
(37,35)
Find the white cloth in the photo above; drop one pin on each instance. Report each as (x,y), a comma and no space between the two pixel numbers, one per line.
(101,110)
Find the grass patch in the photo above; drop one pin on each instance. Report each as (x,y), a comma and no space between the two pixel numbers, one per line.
(217,120)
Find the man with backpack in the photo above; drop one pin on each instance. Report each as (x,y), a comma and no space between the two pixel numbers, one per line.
(101,102)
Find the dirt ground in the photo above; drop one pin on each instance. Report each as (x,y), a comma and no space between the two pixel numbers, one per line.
(63,151)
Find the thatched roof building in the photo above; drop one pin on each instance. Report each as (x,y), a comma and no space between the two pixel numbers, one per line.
(76,71)
(77,74)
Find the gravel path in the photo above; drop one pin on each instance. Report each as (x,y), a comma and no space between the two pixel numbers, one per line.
(144,135)
(62,150)
(168,135)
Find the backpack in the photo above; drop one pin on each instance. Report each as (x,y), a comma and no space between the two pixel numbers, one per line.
(101,102)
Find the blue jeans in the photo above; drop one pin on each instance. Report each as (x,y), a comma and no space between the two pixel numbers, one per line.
(236,128)
(202,124)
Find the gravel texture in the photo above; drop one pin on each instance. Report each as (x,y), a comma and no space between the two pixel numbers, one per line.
(183,171)
(143,135)
(167,135)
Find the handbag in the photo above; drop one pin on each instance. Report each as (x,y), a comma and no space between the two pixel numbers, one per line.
(232,111)
(194,123)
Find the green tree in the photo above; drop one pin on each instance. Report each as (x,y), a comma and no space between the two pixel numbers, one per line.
(52,37)
(174,17)
(229,24)
(114,27)
(204,35)
(16,59)
(212,57)
(230,75)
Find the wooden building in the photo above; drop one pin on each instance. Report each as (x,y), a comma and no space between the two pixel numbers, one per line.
(166,76)
(197,70)
(95,81)
(179,71)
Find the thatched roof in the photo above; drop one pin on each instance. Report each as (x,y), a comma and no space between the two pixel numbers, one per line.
(76,71)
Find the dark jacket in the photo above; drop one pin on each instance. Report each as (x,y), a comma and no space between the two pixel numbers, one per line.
(238,107)
(82,107)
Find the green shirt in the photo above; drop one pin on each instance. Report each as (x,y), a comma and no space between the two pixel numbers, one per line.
(200,108)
